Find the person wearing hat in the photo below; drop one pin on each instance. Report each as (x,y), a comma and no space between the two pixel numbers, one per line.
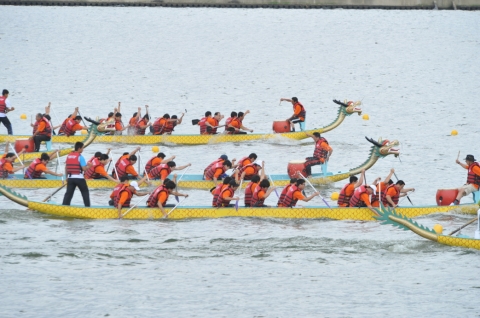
(299,113)
(122,194)
(361,197)
(321,154)
(473,178)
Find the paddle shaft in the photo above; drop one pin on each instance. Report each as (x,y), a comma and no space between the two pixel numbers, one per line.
(176,197)
(83,121)
(315,190)
(273,184)
(140,200)
(465,225)
(239,190)
(407,194)
(51,195)
(166,216)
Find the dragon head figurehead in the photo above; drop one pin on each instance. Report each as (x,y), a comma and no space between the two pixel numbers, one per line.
(350,107)
(385,147)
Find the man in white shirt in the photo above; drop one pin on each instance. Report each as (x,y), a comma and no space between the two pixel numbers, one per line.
(4,109)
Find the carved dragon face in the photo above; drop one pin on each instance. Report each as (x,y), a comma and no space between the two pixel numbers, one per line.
(385,147)
(353,107)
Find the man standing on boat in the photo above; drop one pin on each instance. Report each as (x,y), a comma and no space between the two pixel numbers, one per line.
(321,155)
(74,168)
(299,113)
(4,109)
(473,178)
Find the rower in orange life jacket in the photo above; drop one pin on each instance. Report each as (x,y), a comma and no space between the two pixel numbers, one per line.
(142,125)
(122,194)
(208,124)
(172,124)
(242,162)
(394,192)
(155,161)
(248,171)
(229,120)
(39,166)
(119,128)
(216,190)
(284,191)
(42,131)
(236,124)
(360,197)
(132,123)
(97,170)
(347,191)
(299,113)
(381,187)
(6,165)
(160,195)
(261,193)
(126,167)
(71,124)
(294,194)
(164,169)
(221,159)
(250,188)
(321,155)
(473,178)
(227,195)
(217,170)
(161,123)
(125,155)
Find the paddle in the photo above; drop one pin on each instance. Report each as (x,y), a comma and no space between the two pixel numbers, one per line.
(48,198)
(142,198)
(55,114)
(176,197)
(273,184)
(60,164)
(115,169)
(466,224)
(239,190)
(407,194)
(16,154)
(166,216)
(315,190)
(83,121)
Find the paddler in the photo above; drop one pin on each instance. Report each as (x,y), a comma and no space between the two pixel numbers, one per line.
(248,171)
(473,178)
(214,123)
(164,169)
(227,195)
(126,167)
(97,170)
(236,125)
(294,194)
(119,128)
(124,156)
(160,196)
(216,190)
(321,154)
(96,157)
(6,165)
(155,161)
(251,186)
(39,166)
(244,161)
(4,109)
(142,125)
(42,131)
(233,115)
(172,124)
(284,191)
(216,171)
(72,125)
(122,194)
(161,123)
(222,158)
(299,113)
(205,124)
(262,191)
(361,197)
(381,187)
(394,192)
(132,123)
(347,191)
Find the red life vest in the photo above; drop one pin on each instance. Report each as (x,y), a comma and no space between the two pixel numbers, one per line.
(73,163)
(30,173)
(47,131)
(159,126)
(303,113)
(394,198)
(210,173)
(203,125)
(90,173)
(240,162)
(213,131)
(216,193)
(289,201)
(61,131)
(122,167)
(156,172)
(211,165)
(221,202)
(139,130)
(69,127)
(256,201)
(319,151)
(118,193)
(380,193)
(3,104)
(283,194)
(342,197)
(94,160)
(237,124)
(152,200)
(149,166)
(472,178)
(117,163)
(355,200)
(3,173)
(249,193)
(249,177)
(170,127)
(227,122)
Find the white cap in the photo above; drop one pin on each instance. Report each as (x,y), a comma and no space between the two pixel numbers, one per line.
(373,188)
(135,185)
(259,161)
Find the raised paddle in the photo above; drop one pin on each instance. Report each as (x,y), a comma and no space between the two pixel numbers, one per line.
(48,198)
(466,224)
(239,190)
(407,194)
(83,121)
(315,190)
(166,216)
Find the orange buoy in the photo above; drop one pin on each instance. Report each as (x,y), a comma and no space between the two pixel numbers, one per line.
(294,166)
(446,196)
(22,142)
(281,126)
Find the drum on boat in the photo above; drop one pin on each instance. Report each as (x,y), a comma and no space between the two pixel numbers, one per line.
(446,196)
(22,142)
(281,126)
(294,166)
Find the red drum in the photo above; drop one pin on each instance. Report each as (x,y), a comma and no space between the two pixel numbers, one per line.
(446,196)
(294,166)
(281,126)
(22,142)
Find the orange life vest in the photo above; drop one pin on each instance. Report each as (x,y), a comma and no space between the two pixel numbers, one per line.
(211,165)
(30,173)
(156,172)
(139,130)
(355,201)
(152,200)
(159,126)
(118,193)
(210,173)
(170,126)
(203,125)
(149,166)
(303,112)
(283,194)
(394,198)
(472,178)
(227,122)
(319,152)
(216,193)
(249,193)
(90,173)
(255,167)
(69,127)
(289,201)
(72,163)
(342,197)
(222,202)
(61,131)
(256,201)
(47,131)
(3,172)
(122,167)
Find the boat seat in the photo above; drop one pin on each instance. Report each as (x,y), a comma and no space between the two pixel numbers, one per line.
(302,126)
(476,196)
(48,145)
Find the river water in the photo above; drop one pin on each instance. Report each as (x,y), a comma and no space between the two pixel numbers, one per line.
(416,73)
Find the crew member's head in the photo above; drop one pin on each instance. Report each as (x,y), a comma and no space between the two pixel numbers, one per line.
(218,116)
(103,159)
(38,116)
(371,190)
(78,119)
(255,178)
(224,157)
(353,179)
(166,116)
(98,154)
(132,159)
(161,155)
(264,184)
(316,135)
(233,184)
(146,117)
(240,115)
(227,164)
(110,114)
(295,100)
(208,114)
(171,164)
(118,116)
(44,158)
(233,114)
(400,184)
(300,184)
(252,156)
(10,157)
(134,186)
(227,180)
(174,117)
(135,114)
(123,179)
(293,180)
(170,185)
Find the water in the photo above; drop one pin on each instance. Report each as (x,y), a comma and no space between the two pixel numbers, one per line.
(416,73)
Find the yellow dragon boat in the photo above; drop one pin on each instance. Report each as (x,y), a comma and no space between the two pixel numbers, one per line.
(190,139)
(30,156)
(399,218)
(193,212)
(379,149)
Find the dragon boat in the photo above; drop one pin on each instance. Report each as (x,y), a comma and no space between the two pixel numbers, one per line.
(379,149)
(344,111)
(30,156)
(399,219)
(192,212)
